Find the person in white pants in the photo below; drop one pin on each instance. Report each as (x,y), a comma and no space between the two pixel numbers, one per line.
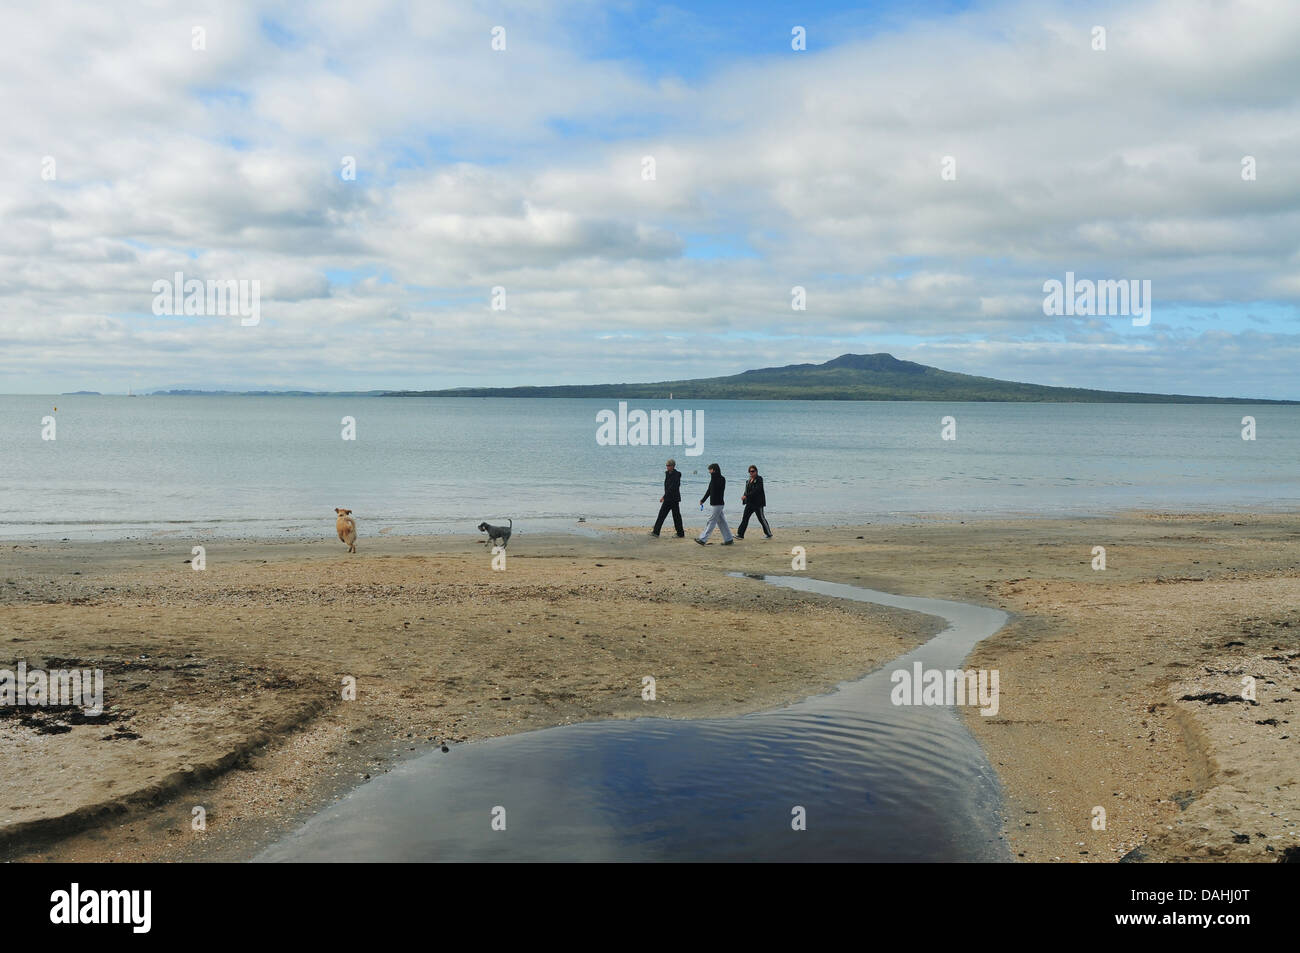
(714,494)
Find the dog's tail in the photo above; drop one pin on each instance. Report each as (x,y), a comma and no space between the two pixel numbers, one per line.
(511,522)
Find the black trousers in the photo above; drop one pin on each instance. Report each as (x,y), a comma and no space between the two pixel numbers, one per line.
(751,510)
(676,510)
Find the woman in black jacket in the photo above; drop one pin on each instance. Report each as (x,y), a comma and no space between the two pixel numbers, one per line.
(714,494)
(754,499)
(671,500)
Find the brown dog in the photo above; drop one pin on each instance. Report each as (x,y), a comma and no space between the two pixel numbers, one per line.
(347,528)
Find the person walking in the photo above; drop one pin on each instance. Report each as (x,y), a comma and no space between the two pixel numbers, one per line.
(754,499)
(714,494)
(671,500)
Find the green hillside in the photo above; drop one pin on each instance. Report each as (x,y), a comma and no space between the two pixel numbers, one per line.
(847,377)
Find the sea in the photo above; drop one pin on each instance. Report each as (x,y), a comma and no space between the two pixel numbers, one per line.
(90,467)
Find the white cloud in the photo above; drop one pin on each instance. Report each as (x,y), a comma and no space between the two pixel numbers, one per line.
(823,169)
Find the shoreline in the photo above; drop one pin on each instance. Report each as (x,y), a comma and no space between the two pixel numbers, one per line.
(307,529)
(726,652)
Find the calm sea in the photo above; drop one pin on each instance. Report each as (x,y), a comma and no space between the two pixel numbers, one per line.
(277,466)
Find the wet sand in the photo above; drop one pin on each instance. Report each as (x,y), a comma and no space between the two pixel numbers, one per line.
(224,687)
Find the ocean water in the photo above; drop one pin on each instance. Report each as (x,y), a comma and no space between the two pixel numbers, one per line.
(277,466)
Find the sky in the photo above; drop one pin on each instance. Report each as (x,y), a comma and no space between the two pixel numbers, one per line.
(643,186)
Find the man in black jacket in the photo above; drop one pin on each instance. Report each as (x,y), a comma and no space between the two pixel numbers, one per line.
(754,499)
(671,500)
(714,494)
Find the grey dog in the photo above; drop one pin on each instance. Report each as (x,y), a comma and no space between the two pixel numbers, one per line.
(497,533)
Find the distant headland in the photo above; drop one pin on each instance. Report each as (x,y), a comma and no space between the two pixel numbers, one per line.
(847,377)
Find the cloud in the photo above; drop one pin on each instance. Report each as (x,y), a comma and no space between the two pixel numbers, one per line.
(524,169)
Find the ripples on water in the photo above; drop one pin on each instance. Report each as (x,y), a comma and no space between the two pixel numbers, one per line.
(878,782)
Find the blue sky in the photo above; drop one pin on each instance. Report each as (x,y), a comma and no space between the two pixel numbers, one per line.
(379,172)
(692,40)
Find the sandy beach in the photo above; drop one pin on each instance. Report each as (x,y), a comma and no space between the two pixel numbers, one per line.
(1122,688)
